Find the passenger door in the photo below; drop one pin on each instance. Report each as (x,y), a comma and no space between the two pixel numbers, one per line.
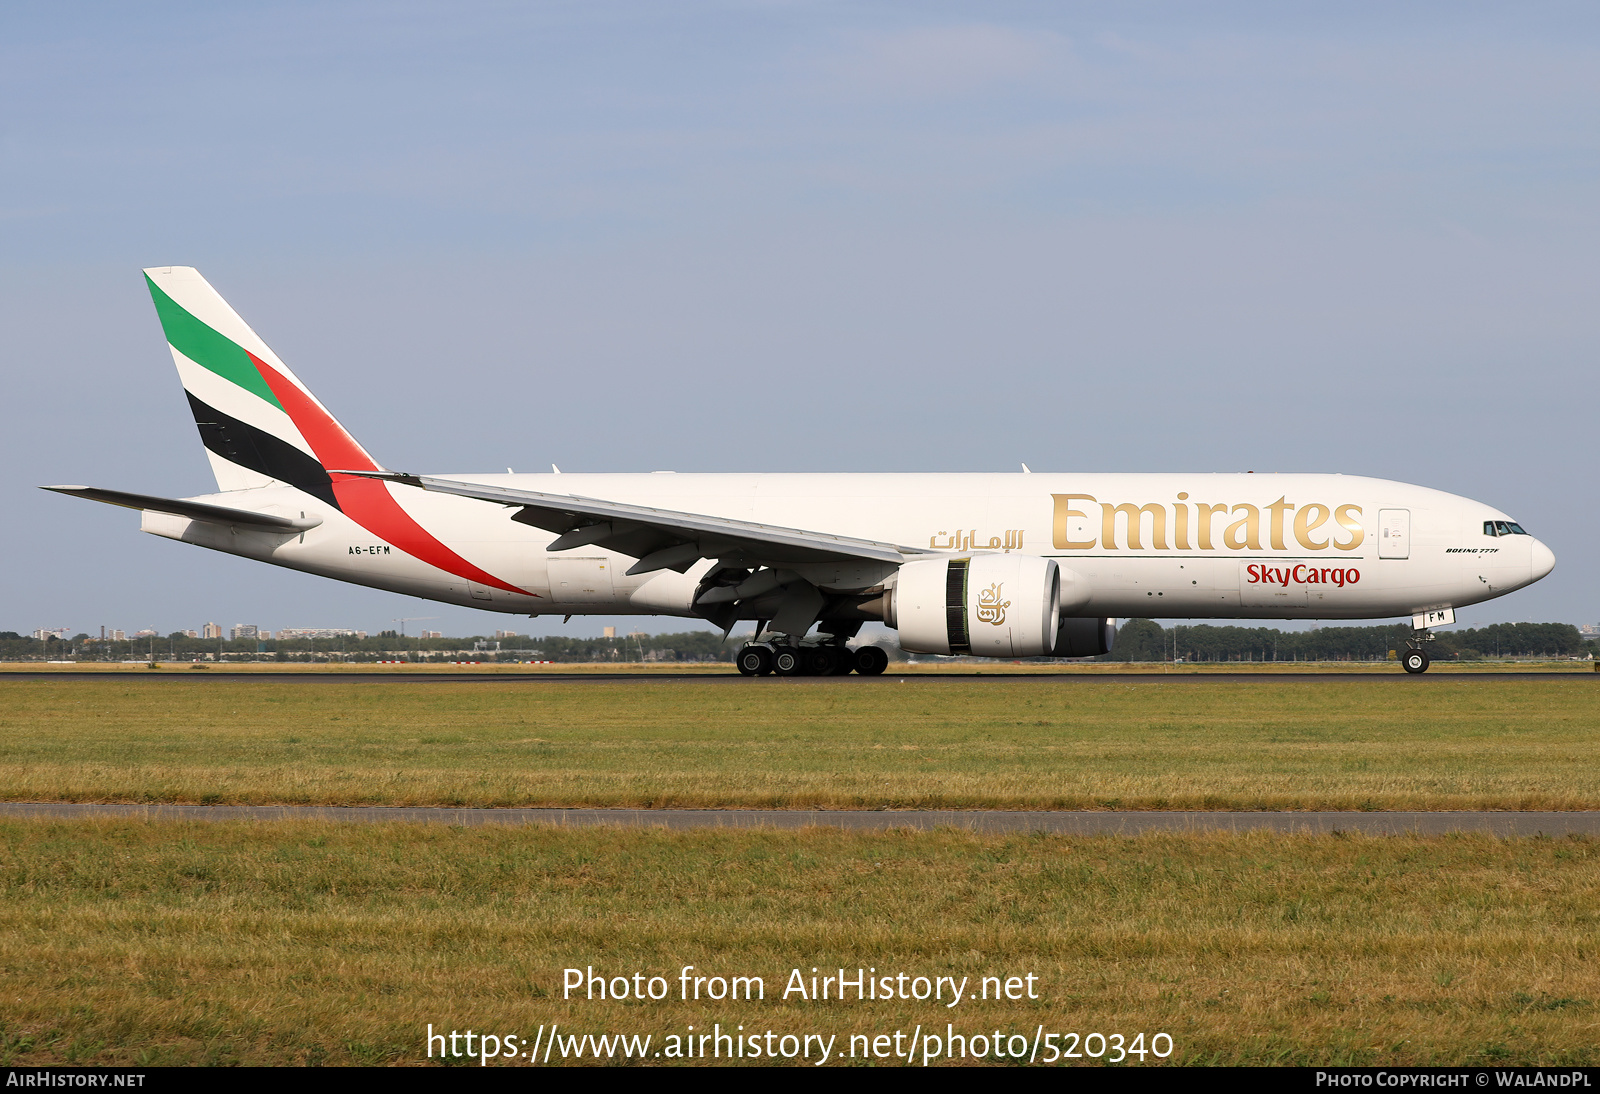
(1394,533)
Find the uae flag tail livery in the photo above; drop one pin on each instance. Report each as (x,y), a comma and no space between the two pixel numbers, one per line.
(275,449)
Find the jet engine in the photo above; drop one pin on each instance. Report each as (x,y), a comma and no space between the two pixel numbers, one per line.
(989,605)
(1085,637)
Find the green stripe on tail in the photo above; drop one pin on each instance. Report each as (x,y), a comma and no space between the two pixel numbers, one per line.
(207,348)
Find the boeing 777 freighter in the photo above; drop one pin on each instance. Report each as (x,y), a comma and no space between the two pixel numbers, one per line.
(1020,565)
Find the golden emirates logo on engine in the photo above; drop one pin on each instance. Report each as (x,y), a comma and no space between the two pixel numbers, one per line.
(991,609)
(1083,523)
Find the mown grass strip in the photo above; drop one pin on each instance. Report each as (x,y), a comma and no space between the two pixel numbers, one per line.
(1347,745)
(148,943)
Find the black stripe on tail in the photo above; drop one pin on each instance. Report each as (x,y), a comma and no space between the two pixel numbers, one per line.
(244,444)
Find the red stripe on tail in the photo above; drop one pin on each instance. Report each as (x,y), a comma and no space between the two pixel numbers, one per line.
(367,501)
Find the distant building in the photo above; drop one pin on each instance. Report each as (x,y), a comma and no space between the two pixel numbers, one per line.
(50,632)
(507,634)
(432,634)
(146,633)
(211,630)
(285,633)
(119,636)
(245,630)
(1589,630)
(265,636)
(609,632)
(190,634)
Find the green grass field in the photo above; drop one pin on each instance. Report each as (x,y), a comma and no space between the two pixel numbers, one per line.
(951,743)
(301,942)
(169,943)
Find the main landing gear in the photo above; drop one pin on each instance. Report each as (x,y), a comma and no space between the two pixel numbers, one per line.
(1416,659)
(754,660)
(823,659)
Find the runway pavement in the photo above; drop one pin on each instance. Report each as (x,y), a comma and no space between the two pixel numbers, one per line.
(1085,823)
(731,677)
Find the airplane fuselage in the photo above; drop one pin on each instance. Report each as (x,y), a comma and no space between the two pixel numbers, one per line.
(1248,546)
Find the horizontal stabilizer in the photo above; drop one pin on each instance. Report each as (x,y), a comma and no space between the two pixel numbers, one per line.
(194,510)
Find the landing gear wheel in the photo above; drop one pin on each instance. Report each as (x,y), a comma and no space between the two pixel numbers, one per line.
(871,660)
(1415,661)
(821,660)
(754,661)
(787,662)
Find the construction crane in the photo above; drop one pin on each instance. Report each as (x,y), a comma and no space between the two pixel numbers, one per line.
(411,619)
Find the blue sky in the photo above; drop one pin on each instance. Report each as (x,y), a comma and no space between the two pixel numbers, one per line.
(800,236)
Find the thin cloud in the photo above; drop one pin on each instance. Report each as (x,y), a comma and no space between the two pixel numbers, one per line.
(938,62)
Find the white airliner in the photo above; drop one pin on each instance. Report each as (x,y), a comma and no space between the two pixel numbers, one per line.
(1010,566)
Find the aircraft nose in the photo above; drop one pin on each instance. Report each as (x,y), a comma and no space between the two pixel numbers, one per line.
(1542,560)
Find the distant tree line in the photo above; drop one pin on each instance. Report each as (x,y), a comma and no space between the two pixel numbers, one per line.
(386,645)
(1146,640)
(1137,640)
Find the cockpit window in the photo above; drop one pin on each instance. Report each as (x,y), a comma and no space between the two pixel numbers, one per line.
(1502,528)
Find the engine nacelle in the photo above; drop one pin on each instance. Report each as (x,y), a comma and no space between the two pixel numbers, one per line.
(1085,637)
(985,605)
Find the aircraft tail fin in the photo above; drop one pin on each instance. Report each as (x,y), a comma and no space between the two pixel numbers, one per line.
(259,423)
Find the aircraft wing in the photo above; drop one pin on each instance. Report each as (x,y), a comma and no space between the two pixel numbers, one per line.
(661,539)
(194,510)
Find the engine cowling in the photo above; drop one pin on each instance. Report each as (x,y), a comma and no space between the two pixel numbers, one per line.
(1085,637)
(986,605)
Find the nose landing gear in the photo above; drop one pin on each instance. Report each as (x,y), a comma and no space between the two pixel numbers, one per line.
(1416,659)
